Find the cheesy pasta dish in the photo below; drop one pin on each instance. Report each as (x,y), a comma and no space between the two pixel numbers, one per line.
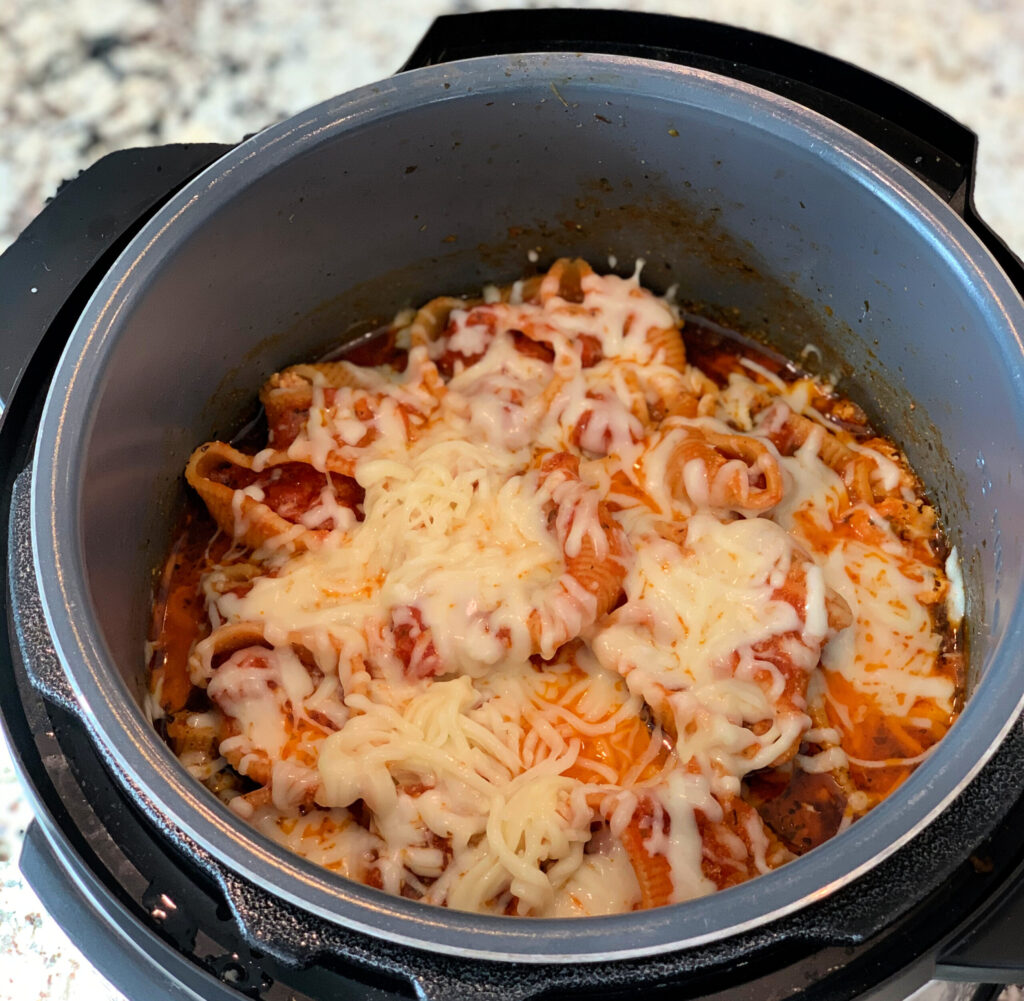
(531,605)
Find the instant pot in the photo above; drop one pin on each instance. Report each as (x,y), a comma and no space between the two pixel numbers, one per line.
(788,196)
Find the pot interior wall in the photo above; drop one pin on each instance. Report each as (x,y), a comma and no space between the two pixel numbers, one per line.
(366,207)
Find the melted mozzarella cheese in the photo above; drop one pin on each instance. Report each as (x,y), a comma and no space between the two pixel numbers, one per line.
(501,803)
(255,689)
(447,532)
(603,883)
(956,601)
(688,636)
(891,655)
(463,757)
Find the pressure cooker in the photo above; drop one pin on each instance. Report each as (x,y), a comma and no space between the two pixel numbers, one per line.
(789,196)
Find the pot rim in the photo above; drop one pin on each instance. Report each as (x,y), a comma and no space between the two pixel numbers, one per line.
(127,739)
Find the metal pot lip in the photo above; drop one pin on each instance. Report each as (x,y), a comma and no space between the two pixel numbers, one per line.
(127,739)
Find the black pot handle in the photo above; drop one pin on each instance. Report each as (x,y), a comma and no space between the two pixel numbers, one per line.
(933,146)
(49,272)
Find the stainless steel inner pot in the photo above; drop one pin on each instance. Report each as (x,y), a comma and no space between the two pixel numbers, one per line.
(761,212)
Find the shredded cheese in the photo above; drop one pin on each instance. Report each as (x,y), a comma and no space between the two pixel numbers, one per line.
(560,607)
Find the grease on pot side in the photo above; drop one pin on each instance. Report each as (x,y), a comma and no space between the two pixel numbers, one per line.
(534,604)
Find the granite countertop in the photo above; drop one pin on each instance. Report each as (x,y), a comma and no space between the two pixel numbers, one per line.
(79,79)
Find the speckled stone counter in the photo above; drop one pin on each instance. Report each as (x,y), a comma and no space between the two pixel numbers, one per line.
(79,79)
